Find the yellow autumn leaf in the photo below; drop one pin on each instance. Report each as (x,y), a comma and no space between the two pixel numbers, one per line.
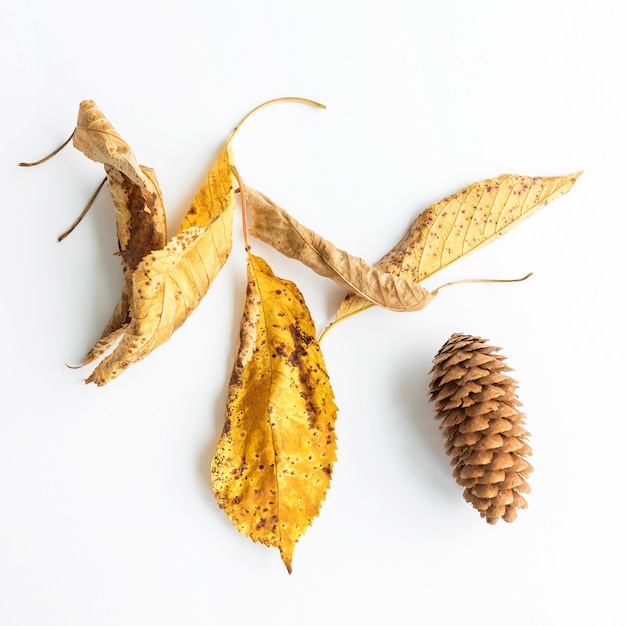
(273,225)
(462,223)
(169,283)
(216,194)
(274,460)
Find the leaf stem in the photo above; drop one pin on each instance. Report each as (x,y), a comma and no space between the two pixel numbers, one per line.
(79,219)
(244,207)
(325,331)
(319,105)
(483,280)
(50,155)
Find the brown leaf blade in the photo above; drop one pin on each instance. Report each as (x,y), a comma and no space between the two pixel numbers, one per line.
(138,202)
(274,460)
(276,227)
(462,223)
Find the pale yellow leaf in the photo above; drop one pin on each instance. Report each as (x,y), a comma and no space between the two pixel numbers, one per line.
(462,223)
(169,283)
(167,287)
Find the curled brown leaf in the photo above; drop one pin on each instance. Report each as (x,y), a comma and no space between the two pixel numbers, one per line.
(139,211)
(276,227)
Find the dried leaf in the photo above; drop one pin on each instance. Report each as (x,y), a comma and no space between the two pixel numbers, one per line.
(216,194)
(168,284)
(461,223)
(274,460)
(96,138)
(276,227)
(139,212)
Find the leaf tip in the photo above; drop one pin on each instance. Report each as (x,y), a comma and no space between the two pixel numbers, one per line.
(286,557)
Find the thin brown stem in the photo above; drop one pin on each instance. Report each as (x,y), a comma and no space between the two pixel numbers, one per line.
(483,280)
(50,155)
(325,331)
(244,207)
(84,211)
(319,105)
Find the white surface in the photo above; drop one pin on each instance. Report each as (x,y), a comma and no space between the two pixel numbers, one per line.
(105,517)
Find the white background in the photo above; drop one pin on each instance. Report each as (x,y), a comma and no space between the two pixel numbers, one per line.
(105,514)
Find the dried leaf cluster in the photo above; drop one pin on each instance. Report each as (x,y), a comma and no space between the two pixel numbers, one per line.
(274,460)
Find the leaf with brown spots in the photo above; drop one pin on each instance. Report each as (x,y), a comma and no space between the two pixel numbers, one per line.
(139,212)
(168,284)
(276,227)
(461,223)
(275,457)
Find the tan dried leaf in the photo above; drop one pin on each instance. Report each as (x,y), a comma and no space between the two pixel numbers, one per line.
(96,138)
(276,227)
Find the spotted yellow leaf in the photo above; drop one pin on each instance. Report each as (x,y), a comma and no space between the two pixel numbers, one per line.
(462,223)
(275,456)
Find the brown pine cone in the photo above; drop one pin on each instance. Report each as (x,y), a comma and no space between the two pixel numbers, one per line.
(485,437)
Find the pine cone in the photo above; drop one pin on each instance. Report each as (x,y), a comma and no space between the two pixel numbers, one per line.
(482,425)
